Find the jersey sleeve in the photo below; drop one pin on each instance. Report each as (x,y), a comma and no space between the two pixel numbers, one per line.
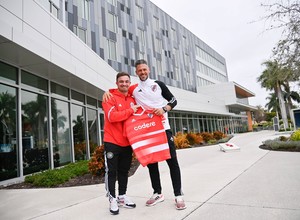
(112,113)
(167,94)
(131,88)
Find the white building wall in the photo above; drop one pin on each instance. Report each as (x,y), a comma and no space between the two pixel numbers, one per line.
(224,91)
(44,35)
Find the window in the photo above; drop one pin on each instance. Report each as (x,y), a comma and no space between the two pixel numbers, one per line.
(51,5)
(124,33)
(140,13)
(157,44)
(112,2)
(79,129)
(34,108)
(156,23)
(80,32)
(112,50)
(92,129)
(8,131)
(141,35)
(84,9)
(111,22)
(8,73)
(77,97)
(54,10)
(34,82)
(176,57)
(159,67)
(61,134)
(130,36)
(59,91)
(173,34)
(141,55)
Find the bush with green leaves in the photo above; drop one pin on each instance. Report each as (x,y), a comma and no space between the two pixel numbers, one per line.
(296,135)
(52,178)
(277,144)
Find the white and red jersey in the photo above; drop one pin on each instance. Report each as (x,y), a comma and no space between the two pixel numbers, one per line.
(147,137)
(153,94)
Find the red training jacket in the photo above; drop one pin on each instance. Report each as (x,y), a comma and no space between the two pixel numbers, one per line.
(117,110)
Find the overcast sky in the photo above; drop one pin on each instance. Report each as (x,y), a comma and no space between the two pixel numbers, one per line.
(229,28)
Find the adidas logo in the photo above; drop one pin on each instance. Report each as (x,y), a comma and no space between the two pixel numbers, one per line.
(150,115)
(133,120)
(140,90)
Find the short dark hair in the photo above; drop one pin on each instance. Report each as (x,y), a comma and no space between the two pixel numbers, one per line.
(122,74)
(138,62)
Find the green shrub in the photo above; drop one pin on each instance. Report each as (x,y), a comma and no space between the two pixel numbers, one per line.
(51,178)
(296,135)
(225,139)
(283,138)
(276,144)
(212,141)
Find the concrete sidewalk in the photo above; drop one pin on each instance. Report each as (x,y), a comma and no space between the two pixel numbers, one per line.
(247,184)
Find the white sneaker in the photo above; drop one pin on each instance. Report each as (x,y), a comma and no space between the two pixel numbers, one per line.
(179,203)
(155,198)
(113,206)
(126,202)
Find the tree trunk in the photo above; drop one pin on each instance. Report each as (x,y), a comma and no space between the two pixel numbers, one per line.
(282,107)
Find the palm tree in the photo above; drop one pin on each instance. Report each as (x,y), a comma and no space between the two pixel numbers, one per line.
(272,78)
(273,104)
(290,96)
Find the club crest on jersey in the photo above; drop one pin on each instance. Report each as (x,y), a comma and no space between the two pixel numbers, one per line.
(154,88)
(150,115)
(109,155)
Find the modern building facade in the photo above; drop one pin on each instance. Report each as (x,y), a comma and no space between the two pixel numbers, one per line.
(57,57)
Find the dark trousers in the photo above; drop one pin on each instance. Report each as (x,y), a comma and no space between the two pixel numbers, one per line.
(174,170)
(117,164)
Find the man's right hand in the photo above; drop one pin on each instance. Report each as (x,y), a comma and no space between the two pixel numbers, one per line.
(135,108)
(106,96)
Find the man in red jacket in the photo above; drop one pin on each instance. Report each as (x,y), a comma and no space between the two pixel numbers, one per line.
(118,152)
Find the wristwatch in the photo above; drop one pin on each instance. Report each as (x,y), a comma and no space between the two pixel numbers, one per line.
(165,109)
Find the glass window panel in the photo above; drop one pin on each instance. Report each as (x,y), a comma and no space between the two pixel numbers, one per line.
(172,125)
(112,50)
(61,143)
(34,132)
(195,125)
(91,101)
(34,82)
(112,22)
(102,126)
(190,125)
(8,73)
(201,125)
(8,143)
(78,126)
(78,97)
(178,125)
(54,10)
(60,91)
(92,126)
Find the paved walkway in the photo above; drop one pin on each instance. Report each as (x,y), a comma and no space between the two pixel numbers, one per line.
(248,184)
